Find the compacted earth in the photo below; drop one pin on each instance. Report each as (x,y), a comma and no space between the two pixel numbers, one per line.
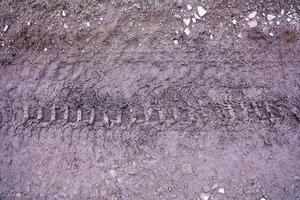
(150,100)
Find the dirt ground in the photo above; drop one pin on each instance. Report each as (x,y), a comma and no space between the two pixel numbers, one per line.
(150,100)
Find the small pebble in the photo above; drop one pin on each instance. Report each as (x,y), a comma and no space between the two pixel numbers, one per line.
(201,11)
(187,168)
(189,7)
(63,13)
(252,14)
(87,24)
(187,21)
(214,186)
(187,31)
(204,196)
(252,24)
(234,22)
(112,173)
(206,189)
(176,43)
(5,29)
(240,35)
(177,16)
(221,190)
(271,17)
(179,3)
(271,34)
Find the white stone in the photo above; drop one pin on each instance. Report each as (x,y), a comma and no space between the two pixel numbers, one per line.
(252,24)
(204,196)
(278,23)
(282,12)
(189,7)
(177,16)
(194,19)
(240,35)
(201,11)
(221,190)
(252,14)
(187,21)
(45,49)
(197,16)
(28,23)
(234,22)
(187,31)
(66,26)
(5,28)
(88,24)
(271,34)
(270,17)
(176,43)
(263,198)
(63,13)
(289,19)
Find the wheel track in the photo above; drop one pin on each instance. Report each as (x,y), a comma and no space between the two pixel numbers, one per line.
(111,117)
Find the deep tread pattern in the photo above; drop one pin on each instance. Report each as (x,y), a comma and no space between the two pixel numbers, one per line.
(129,115)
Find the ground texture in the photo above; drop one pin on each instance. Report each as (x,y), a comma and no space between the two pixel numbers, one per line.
(145,100)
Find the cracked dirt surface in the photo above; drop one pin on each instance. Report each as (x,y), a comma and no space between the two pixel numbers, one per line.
(101,103)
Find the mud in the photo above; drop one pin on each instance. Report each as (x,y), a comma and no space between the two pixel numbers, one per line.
(102,104)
